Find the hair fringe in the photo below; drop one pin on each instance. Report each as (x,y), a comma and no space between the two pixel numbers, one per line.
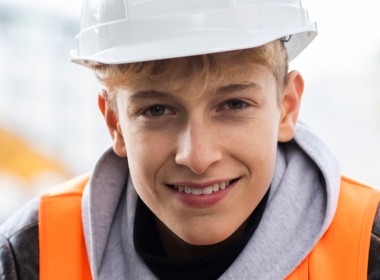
(272,55)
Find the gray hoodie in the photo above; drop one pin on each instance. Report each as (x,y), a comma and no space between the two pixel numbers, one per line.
(300,208)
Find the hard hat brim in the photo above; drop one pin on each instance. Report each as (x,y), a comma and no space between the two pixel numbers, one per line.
(127,41)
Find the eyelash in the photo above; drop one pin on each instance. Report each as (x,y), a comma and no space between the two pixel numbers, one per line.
(147,112)
(242,104)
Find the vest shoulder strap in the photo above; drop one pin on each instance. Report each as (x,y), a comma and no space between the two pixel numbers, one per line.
(63,252)
(342,253)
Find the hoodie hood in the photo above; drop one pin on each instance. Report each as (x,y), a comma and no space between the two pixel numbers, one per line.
(300,208)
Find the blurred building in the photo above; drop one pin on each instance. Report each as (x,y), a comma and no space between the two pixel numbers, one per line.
(47,101)
(23,172)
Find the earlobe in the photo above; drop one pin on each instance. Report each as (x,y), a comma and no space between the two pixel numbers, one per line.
(290,106)
(112,123)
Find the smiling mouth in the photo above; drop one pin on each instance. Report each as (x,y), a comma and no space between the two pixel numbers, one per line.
(203,191)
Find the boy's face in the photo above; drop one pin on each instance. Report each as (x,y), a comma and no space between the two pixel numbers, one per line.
(221,143)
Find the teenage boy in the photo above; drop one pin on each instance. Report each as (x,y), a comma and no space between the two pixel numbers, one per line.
(211,175)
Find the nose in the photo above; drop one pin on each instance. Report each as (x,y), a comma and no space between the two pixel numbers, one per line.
(198,147)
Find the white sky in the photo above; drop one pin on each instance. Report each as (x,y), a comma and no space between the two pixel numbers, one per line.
(66,7)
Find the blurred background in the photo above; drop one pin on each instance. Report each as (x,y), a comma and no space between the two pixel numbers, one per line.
(51,130)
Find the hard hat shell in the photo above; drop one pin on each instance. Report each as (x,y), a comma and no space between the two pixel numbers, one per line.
(124,31)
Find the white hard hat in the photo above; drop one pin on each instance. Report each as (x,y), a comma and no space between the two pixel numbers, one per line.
(123,31)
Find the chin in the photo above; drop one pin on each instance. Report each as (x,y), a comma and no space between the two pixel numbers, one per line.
(203,240)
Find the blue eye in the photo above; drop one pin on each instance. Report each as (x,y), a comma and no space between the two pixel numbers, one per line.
(157,111)
(234,104)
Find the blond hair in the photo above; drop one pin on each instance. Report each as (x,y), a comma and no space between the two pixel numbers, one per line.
(272,55)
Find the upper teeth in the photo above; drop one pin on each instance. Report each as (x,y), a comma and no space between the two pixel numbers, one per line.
(206,190)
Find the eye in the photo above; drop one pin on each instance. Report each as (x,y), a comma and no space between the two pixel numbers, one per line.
(234,104)
(157,111)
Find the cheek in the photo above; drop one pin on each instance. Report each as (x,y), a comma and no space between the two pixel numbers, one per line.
(259,158)
(254,140)
(262,158)
(147,155)
(255,146)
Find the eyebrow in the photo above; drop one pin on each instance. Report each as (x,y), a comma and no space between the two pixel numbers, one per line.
(228,89)
(235,87)
(149,94)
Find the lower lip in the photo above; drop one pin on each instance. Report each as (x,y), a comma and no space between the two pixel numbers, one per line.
(203,200)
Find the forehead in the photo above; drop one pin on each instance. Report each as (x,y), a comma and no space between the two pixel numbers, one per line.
(223,65)
(204,71)
(259,81)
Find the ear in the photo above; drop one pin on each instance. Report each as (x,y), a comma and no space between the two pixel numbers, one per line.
(290,106)
(113,124)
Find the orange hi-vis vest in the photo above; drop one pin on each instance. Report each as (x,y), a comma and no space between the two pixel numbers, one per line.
(342,253)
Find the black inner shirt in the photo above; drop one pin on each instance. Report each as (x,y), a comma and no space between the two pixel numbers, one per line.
(149,247)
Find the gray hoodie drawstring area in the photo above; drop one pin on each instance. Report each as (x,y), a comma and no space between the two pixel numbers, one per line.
(300,208)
